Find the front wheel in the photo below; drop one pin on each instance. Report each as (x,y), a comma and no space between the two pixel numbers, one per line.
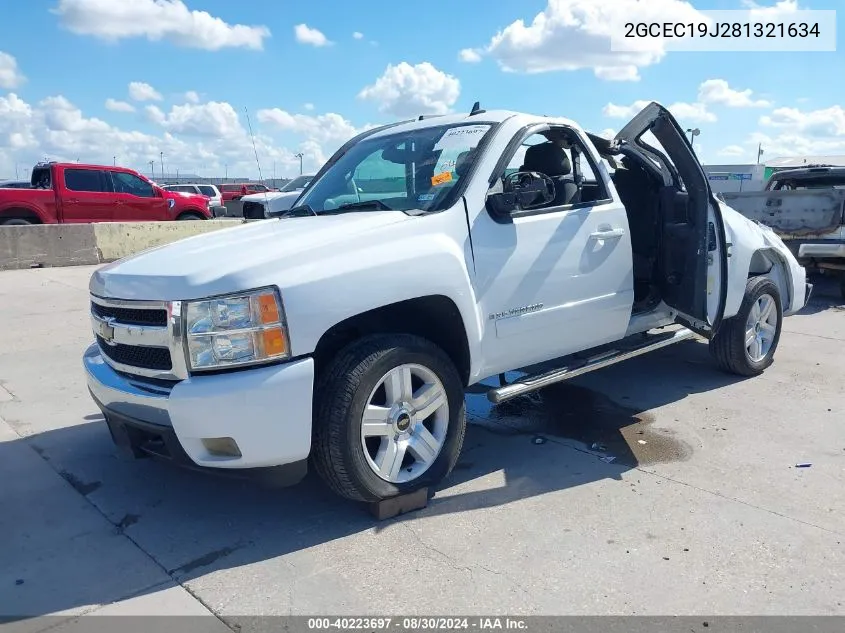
(389,418)
(745,344)
(190,216)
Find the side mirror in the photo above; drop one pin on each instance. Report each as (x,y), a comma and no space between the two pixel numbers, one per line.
(521,191)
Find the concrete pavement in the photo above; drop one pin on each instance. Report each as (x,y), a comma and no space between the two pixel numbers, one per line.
(701,511)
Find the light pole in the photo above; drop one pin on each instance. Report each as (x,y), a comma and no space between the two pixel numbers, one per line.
(759,152)
(152,169)
(692,134)
(115,160)
(299,156)
(161,162)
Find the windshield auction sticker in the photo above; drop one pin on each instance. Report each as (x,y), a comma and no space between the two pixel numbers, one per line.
(463,137)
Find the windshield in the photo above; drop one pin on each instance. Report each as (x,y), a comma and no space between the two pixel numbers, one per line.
(403,171)
(297,183)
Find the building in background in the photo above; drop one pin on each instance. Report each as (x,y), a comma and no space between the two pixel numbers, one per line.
(729,178)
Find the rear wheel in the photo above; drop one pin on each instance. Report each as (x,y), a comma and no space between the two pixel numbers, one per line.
(389,418)
(745,344)
(15,222)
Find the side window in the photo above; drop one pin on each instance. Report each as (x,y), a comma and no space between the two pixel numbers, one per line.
(85,180)
(131,184)
(593,188)
(207,191)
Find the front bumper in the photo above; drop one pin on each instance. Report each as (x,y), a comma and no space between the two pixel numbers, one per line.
(265,411)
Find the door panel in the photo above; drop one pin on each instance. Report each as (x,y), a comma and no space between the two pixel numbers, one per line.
(86,196)
(553,283)
(136,199)
(694,258)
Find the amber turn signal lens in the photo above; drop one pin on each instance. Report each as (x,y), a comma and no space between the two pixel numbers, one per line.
(268,309)
(274,342)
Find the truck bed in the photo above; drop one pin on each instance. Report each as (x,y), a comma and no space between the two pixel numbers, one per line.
(814,214)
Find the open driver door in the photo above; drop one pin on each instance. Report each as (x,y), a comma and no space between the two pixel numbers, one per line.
(692,260)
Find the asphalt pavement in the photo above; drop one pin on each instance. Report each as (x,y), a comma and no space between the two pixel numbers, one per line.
(659,486)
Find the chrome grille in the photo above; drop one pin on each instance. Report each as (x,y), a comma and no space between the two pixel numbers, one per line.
(141,338)
(131,316)
(157,358)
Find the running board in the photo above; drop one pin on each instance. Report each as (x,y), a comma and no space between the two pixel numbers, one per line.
(528,384)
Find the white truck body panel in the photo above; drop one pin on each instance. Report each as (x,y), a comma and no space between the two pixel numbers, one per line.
(528,291)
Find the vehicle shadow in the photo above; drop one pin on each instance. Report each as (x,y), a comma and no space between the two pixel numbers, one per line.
(192,524)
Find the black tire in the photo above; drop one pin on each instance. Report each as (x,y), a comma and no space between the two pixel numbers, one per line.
(728,347)
(190,216)
(15,222)
(842,287)
(342,393)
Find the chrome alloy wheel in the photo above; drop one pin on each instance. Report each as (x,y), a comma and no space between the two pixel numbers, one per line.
(760,328)
(404,423)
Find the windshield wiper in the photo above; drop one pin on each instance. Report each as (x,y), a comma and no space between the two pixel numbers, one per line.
(365,205)
(294,212)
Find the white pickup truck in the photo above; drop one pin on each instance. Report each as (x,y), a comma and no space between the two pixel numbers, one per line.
(345,333)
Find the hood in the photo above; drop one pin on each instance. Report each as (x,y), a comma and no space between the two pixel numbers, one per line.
(184,196)
(275,201)
(235,259)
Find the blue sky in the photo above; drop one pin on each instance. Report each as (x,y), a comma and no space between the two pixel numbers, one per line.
(309,82)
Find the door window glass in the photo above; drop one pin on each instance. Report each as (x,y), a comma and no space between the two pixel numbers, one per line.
(131,184)
(85,180)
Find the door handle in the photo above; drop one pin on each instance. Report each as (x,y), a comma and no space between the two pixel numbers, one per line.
(72,201)
(607,234)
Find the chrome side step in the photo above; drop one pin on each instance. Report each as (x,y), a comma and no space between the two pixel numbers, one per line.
(604,359)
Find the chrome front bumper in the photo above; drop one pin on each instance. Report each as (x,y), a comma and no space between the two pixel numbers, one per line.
(133,399)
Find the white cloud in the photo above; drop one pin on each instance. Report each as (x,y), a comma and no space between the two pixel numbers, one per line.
(320,128)
(827,122)
(10,76)
(772,12)
(692,112)
(119,106)
(308,106)
(607,133)
(192,96)
(733,151)
(718,91)
(157,20)
(623,112)
(405,90)
(140,91)
(306,35)
(617,73)
(470,55)
(213,119)
(358,35)
(576,34)
(207,139)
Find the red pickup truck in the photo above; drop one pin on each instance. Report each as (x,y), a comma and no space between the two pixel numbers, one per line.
(74,193)
(237,191)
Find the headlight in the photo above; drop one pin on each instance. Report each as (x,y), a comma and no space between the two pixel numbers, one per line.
(244,329)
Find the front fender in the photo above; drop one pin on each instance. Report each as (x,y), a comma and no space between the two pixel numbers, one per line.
(354,282)
(756,249)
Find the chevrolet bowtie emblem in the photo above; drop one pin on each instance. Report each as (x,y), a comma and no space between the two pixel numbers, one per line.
(106,331)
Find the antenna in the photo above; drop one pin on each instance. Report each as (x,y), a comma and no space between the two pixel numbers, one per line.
(476,109)
(260,177)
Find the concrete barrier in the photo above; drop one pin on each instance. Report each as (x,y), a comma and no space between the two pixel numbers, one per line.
(48,245)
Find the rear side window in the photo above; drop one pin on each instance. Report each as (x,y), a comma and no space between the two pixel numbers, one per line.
(85,180)
(231,188)
(182,188)
(207,191)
